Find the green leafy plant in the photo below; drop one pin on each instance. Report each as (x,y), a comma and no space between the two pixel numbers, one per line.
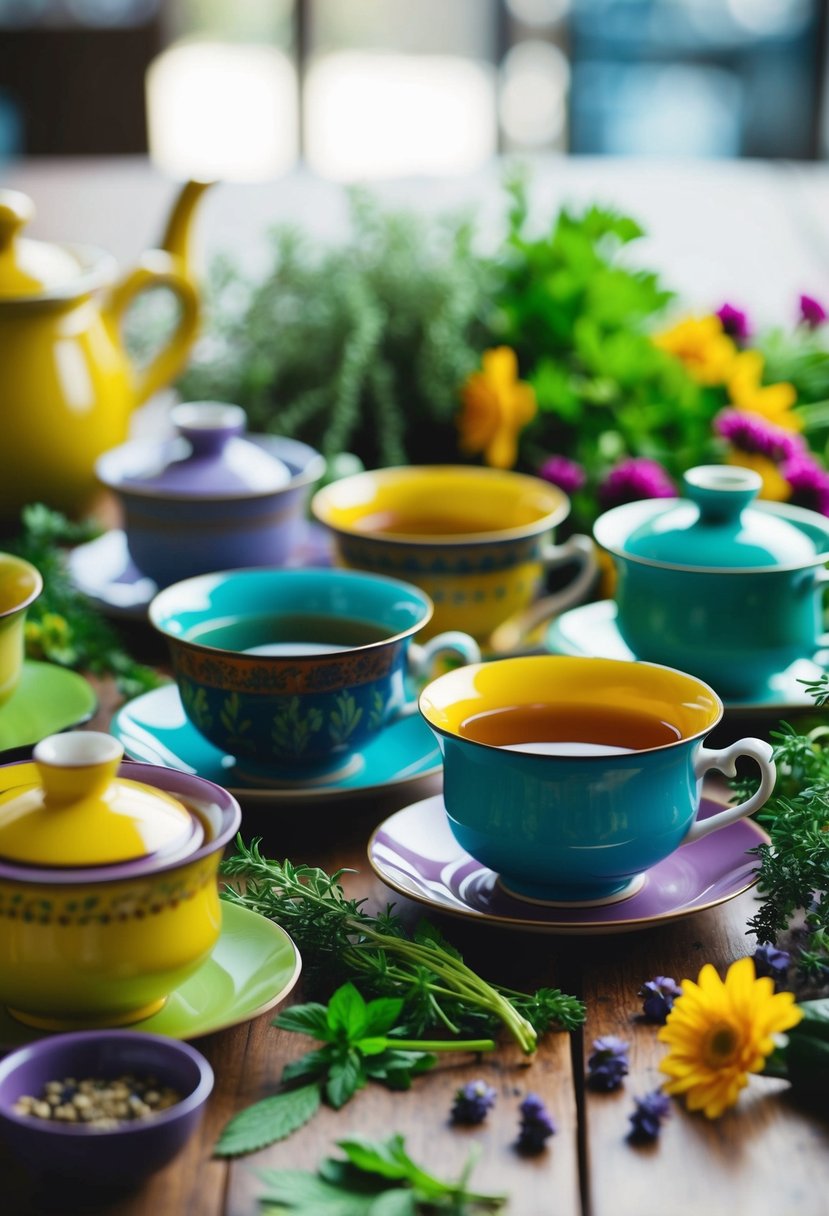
(341,942)
(579,317)
(373,1179)
(794,867)
(362,1043)
(62,626)
(359,347)
(803,1059)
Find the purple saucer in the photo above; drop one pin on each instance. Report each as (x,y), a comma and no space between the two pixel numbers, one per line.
(415,853)
(104,571)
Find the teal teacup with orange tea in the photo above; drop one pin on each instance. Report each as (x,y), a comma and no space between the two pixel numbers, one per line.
(571,777)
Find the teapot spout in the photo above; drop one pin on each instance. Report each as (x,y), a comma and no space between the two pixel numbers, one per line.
(179,229)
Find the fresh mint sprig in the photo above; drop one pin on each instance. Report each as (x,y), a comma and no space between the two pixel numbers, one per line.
(374,1179)
(362,1043)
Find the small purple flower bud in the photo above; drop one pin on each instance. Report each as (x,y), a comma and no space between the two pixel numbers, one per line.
(752,433)
(537,1125)
(659,996)
(472,1102)
(812,312)
(568,475)
(646,1120)
(633,479)
(608,1063)
(735,323)
(768,960)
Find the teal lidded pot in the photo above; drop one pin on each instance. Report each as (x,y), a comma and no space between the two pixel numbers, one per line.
(717,584)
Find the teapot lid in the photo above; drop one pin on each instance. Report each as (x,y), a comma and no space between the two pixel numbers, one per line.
(209,459)
(715,527)
(78,813)
(30,268)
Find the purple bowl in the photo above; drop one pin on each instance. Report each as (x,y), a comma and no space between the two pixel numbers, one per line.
(106,1158)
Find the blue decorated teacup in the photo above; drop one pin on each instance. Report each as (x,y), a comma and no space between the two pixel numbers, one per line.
(292,669)
(571,777)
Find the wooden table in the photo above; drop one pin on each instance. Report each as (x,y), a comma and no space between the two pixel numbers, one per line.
(765,1156)
(756,234)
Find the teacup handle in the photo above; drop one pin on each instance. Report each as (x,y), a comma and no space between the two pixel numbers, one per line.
(422,657)
(578,548)
(725,761)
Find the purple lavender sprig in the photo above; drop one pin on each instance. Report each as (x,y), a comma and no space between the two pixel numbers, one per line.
(812,312)
(768,960)
(633,479)
(735,323)
(607,1063)
(659,995)
(648,1114)
(473,1102)
(537,1125)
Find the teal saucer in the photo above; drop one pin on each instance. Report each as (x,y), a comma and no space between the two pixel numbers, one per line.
(590,630)
(155,729)
(48,699)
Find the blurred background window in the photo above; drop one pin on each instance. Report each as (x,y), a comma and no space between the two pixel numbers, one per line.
(383,88)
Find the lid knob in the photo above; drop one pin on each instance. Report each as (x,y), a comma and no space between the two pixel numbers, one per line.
(721,491)
(16,210)
(78,764)
(208,425)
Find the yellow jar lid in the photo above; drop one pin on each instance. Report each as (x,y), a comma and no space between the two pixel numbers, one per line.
(79,813)
(29,268)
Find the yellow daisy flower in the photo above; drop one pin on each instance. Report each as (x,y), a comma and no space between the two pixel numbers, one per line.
(773,401)
(496,407)
(775,488)
(700,343)
(719,1032)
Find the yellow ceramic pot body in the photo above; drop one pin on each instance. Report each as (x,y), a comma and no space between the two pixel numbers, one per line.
(69,386)
(78,950)
(476,540)
(20,585)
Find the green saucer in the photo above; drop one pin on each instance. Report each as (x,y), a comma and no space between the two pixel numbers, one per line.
(253,967)
(47,699)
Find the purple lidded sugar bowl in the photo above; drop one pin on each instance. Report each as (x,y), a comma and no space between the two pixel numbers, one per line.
(211,498)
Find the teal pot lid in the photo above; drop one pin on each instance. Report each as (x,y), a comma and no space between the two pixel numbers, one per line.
(716,527)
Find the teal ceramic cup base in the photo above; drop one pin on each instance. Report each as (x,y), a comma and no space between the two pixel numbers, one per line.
(578,814)
(577,897)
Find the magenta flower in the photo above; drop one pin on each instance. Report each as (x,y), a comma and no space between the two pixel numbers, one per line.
(812,312)
(809,482)
(735,323)
(752,433)
(568,475)
(633,479)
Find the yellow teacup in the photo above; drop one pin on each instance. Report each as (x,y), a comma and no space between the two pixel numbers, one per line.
(20,585)
(476,540)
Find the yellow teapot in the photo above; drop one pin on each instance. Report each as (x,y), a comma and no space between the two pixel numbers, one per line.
(68,384)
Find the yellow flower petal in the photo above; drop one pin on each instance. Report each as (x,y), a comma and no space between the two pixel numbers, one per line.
(496,406)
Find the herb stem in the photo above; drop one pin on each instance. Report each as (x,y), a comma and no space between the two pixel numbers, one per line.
(442,1044)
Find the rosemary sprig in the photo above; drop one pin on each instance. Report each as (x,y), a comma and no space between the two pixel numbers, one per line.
(341,941)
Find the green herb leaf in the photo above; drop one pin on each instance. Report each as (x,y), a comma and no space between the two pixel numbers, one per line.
(375,1179)
(267,1121)
(347,1012)
(345,1077)
(312,1064)
(310,1019)
(382,1014)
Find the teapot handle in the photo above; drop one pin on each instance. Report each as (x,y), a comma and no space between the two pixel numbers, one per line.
(157,269)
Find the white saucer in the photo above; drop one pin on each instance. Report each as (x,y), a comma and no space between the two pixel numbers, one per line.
(591,631)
